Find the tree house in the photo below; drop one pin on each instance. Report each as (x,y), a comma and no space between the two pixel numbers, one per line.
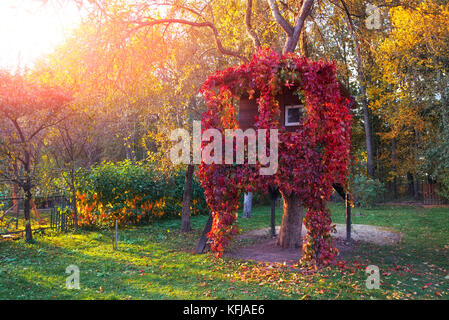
(292,111)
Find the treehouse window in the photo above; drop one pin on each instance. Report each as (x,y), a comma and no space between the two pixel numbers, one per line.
(293,115)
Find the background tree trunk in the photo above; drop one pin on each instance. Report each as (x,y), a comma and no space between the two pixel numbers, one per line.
(367,124)
(185,215)
(75,211)
(27,201)
(73,197)
(415,187)
(361,79)
(394,158)
(291,227)
(26,212)
(415,175)
(15,201)
(410,184)
(36,212)
(247,205)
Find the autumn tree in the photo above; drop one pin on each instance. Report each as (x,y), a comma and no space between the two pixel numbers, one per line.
(67,145)
(27,110)
(411,91)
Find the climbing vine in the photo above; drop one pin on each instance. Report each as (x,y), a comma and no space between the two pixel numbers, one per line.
(311,159)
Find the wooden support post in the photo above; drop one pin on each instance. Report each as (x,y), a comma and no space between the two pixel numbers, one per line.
(202,243)
(247,205)
(273,196)
(347,198)
(273,218)
(348,217)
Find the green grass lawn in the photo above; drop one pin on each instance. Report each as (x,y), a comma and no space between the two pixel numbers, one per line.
(155,262)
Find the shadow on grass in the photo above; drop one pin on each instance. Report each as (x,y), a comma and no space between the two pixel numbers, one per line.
(146,272)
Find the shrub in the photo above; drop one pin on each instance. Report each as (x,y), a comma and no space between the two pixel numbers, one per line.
(444,186)
(367,191)
(133,193)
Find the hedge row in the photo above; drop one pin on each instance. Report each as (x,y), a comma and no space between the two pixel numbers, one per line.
(133,193)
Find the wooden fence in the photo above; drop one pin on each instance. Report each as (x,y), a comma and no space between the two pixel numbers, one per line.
(430,194)
(59,218)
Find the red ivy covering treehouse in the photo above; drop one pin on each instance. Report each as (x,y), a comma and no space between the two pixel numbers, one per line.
(312,157)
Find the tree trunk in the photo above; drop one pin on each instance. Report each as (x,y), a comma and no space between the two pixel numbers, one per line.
(75,211)
(247,205)
(415,187)
(15,201)
(185,215)
(202,243)
(415,176)
(291,227)
(410,184)
(361,78)
(73,198)
(26,212)
(293,33)
(303,44)
(27,201)
(394,158)
(129,153)
(273,198)
(367,125)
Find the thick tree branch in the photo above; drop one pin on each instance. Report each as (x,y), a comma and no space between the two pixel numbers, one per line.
(148,22)
(249,28)
(293,33)
(45,125)
(279,18)
(292,40)
(205,24)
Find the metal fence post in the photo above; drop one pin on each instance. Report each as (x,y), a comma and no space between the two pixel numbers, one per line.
(115,237)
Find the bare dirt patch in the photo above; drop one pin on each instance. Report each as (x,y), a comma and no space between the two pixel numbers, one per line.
(263,248)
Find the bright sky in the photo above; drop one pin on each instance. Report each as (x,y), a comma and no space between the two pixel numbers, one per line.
(29,29)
